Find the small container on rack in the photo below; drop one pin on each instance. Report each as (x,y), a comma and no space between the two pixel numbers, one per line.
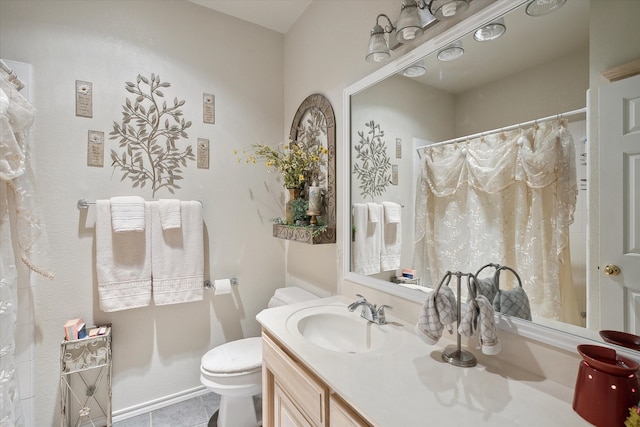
(85,380)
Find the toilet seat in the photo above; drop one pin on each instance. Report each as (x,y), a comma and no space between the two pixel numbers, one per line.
(233,358)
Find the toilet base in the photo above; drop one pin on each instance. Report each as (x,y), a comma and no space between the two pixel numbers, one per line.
(235,412)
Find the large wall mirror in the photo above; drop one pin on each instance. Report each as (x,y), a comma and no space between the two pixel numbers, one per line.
(539,70)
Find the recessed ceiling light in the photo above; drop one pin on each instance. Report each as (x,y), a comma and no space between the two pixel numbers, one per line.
(451,53)
(542,7)
(413,71)
(490,31)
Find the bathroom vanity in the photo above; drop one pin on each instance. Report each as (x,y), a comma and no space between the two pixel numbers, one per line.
(324,365)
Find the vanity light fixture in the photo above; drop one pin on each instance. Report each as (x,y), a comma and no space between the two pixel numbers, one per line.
(451,52)
(446,9)
(490,31)
(409,22)
(542,7)
(410,25)
(378,47)
(415,70)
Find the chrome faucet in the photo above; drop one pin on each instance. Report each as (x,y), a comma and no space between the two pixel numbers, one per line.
(370,311)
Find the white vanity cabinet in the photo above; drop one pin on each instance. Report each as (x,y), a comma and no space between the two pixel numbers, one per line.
(292,396)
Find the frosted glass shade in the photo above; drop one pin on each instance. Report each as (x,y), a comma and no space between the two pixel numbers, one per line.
(378,48)
(409,24)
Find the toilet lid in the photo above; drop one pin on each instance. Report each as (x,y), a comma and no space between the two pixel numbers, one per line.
(234,357)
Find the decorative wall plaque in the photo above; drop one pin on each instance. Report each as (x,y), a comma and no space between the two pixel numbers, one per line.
(203,153)
(208,108)
(398,148)
(84,99)
(95,148)
(394,174)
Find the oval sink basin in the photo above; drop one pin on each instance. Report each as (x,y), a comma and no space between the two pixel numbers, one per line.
(337,329)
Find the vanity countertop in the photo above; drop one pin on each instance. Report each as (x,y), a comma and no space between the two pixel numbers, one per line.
(407,384)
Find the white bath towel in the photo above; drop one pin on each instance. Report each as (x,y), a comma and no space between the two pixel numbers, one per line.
(178,256)
(367,240)
(127,213)
(170,213)
(123,263)
(374,212)
(391,237)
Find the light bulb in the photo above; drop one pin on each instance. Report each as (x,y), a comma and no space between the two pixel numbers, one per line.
(449,9)
(409,33)
(379,57)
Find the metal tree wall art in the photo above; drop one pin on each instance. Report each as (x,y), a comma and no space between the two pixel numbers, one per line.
(148,134)
(373,170)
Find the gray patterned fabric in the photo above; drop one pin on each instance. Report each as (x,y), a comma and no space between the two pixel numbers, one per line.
(488,332)
(513,302)
(429,327)
(487,287)
(439,310)
(479,317)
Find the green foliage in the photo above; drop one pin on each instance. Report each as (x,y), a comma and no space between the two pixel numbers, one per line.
(373,172)
(147,134)
(300,208)
(633,420)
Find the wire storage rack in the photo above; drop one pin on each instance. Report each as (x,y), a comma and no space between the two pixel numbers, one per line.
(85,381)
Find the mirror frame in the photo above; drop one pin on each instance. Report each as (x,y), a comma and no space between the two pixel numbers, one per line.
(566,339)
(306,234)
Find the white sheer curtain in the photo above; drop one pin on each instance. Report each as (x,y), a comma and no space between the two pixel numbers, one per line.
(20,227)
(504,198)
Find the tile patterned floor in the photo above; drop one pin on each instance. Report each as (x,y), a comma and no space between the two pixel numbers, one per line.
(194,412)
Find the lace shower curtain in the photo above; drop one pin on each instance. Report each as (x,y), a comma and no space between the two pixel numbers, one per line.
(19,228)
(505,198)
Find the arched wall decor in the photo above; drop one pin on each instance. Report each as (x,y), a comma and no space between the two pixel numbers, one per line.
(305,116)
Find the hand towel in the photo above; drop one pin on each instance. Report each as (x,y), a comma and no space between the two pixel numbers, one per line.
(429,327)
(392,212)
(374,212)
(127,213)
(178,256)
(391,248)
(447,307)
(439,310)
(487,287)
(488,332)
(479,317)
(123,263)
(170,213)
(367,241)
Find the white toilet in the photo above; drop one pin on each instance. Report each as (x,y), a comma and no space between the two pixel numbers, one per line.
(234,370)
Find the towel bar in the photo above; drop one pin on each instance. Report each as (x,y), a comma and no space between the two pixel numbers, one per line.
(84,203)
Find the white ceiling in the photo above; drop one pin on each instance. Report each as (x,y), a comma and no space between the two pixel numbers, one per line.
(277,15)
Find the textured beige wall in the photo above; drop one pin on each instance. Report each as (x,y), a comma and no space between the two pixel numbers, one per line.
(156,350)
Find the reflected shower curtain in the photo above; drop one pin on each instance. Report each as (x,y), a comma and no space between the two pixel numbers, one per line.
(20,227)
(504,198)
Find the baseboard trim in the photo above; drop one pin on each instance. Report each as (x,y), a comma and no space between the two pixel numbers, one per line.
(152,405)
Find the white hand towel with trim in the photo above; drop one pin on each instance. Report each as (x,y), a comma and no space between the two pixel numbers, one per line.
(374,212)
(367,240)
(127,213)
(391,248)
(170,213)
(178,256)
(123,263)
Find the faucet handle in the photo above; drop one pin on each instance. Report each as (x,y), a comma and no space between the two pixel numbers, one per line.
(361,297)
(380,316)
